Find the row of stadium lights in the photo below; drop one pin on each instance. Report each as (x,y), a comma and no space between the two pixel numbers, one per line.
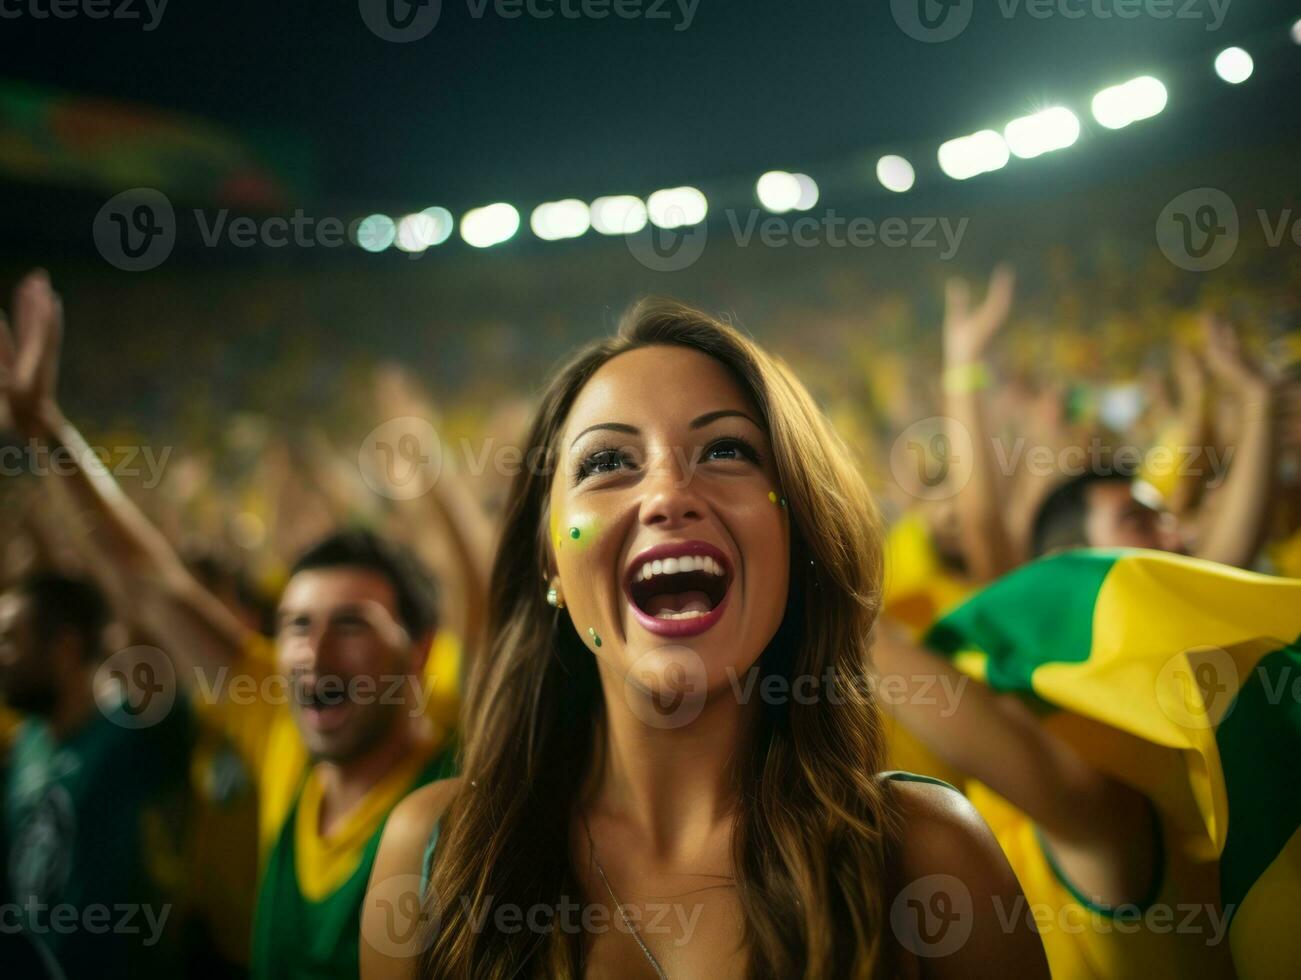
(778,191)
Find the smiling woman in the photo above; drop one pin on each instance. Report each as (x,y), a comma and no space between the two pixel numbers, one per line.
(610,765)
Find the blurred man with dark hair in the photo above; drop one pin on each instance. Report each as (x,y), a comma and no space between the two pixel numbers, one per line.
(83,792)
(1104,509)
(332,719)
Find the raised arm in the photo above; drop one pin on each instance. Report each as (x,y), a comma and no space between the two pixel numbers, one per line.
(968,331)
(448,516)
(1241,515)
(1190,380)
(1099,829)
(123,549)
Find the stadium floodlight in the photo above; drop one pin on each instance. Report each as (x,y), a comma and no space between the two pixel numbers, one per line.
(376,232)
(416,232)
(676,207)
(1120,105)
(778,191)
(969,156)
(444,224)
(490,225)
(895,174)
(808,192)
(621,214)
(555,220)
(1046,131)
(1234,65)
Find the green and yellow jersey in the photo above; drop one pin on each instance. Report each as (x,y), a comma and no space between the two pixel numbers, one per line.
(311,885)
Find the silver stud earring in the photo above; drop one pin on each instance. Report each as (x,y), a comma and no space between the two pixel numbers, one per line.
(553,598)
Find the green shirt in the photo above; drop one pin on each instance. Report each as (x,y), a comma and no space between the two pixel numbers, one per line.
(85,820)
(297,938)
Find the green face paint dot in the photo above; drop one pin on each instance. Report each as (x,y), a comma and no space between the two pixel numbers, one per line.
(592,633)
(575,533)
(772,496)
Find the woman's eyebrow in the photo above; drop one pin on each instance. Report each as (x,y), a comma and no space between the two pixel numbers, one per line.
(696,423)
(631,430)
(708,417)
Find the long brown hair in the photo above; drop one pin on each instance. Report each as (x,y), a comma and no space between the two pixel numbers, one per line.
(814,826)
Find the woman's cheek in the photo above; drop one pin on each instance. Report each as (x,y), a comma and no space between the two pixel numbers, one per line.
(584,566)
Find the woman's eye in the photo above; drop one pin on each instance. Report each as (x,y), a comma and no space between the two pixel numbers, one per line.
(731,449)
(602,461)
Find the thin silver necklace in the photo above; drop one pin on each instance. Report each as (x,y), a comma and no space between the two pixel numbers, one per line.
(632,927)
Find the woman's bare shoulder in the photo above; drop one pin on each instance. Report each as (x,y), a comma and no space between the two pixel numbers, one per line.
(950,861)
(942,832)
(413,819)
(397,881)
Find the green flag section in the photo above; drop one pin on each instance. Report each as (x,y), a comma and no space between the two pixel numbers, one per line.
(1180,677)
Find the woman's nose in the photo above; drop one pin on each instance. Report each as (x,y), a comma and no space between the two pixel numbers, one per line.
(672,495)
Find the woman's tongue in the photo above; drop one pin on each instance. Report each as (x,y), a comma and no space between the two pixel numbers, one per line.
(677,603)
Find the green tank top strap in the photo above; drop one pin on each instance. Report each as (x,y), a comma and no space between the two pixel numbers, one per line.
(427,863)
(900,776)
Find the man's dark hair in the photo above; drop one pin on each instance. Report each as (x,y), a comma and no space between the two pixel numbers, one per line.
(59,603)
(1060,520)
(413,586)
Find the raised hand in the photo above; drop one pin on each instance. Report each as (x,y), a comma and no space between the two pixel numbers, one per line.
(1190,377)
(29,355)
(968,331)
(1225,358)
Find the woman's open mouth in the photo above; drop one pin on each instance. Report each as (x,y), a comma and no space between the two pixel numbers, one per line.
(679,588)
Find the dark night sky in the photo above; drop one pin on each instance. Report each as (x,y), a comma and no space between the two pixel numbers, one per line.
(525,109)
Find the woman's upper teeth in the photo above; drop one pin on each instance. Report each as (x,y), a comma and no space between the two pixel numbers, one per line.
(674,566)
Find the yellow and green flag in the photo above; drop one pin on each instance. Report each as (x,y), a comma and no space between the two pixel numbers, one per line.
(1182,678)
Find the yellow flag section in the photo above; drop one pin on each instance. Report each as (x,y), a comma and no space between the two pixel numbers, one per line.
(1183,679)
